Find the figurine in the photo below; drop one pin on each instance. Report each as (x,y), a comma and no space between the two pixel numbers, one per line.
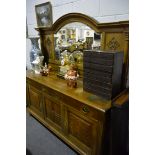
(71,76)
(45,70)
(37,63)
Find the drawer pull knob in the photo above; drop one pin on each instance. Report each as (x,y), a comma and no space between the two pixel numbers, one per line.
(85,109)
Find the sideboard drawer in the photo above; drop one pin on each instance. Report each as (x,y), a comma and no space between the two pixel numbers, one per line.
(52,92)
(83,108)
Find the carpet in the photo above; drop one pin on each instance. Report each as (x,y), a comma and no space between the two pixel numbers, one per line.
(41,141)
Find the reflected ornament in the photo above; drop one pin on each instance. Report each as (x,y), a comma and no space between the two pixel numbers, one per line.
(45,70)
(78,56)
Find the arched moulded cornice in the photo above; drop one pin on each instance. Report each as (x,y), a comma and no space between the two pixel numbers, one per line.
(75,17)
(120,26)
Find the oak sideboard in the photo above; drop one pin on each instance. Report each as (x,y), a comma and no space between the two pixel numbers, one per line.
(77,117)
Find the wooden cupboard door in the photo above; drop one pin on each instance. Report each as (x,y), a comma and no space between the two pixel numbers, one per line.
(82,131)
(52,110)
(35,100)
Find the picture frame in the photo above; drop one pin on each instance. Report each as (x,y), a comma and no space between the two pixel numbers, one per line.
(44,14)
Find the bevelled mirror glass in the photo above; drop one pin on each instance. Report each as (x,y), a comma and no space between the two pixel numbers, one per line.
(74,38)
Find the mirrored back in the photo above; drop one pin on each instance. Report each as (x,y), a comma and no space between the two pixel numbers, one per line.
(75,37)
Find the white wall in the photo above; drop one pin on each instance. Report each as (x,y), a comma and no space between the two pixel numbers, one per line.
(102,10)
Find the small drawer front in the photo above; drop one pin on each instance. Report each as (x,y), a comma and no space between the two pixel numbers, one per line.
(100,78)
(105,95)
(98,61)
(94,54)
(97,67)
(97,73)
(101,83)
(98,87)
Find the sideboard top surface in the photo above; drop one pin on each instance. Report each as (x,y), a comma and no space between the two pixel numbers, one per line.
(60,85)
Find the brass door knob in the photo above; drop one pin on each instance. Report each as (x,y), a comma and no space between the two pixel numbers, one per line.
(85,109)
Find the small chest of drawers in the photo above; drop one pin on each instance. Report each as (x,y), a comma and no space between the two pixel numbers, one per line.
(102,73)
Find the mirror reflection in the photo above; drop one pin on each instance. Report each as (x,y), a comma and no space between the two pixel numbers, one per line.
(72,39)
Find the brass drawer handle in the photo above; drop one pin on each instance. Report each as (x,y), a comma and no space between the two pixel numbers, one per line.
(85,109)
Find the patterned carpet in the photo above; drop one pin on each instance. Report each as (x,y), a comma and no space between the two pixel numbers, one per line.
(40,141)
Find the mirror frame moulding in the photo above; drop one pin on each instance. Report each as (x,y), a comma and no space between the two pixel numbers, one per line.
(85,19)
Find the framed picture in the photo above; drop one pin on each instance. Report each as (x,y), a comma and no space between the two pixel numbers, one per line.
(44,14)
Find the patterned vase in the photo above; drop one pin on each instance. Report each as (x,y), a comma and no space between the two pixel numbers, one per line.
(35,51)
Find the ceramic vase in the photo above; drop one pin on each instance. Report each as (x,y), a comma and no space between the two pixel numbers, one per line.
(35,51)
